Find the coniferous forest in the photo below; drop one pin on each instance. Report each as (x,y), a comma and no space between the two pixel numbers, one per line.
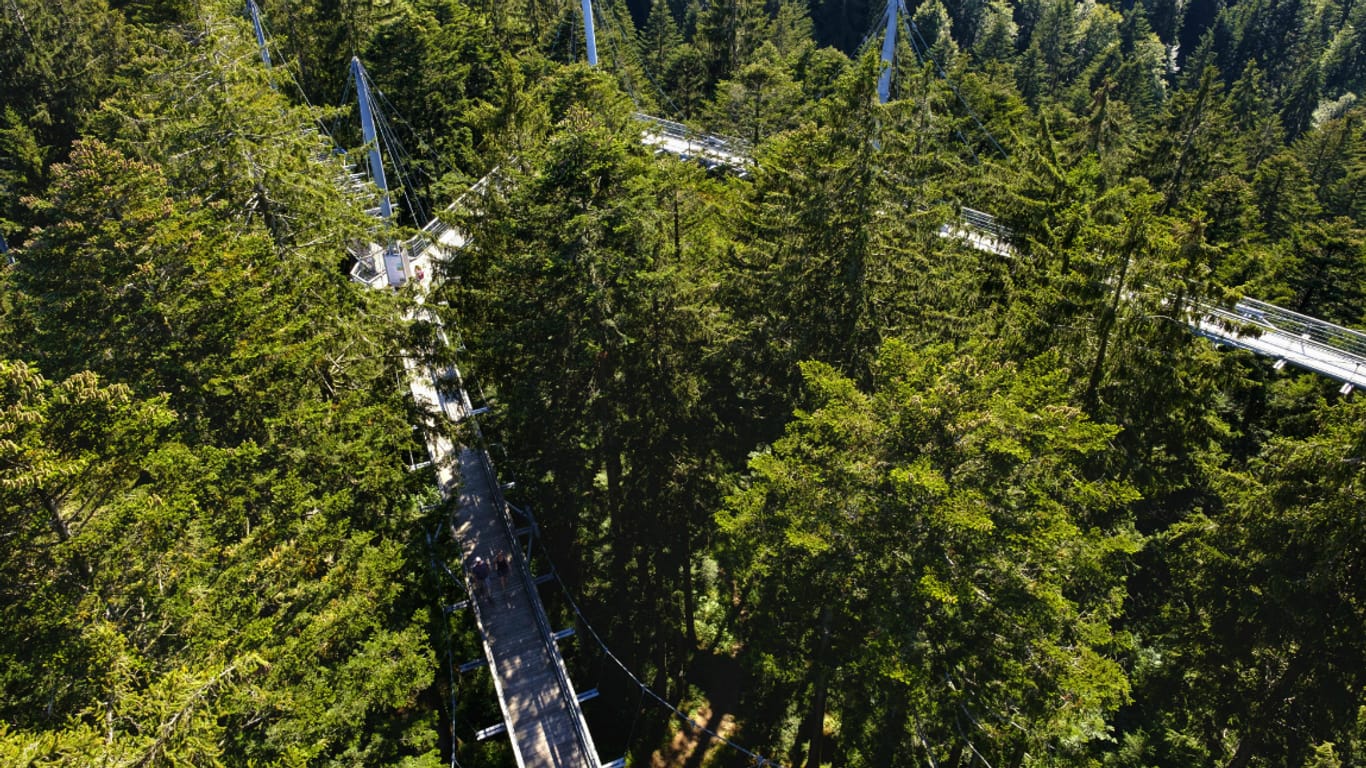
(842,489)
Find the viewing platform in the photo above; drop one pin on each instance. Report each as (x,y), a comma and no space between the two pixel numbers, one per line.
(979,230)
(709,149)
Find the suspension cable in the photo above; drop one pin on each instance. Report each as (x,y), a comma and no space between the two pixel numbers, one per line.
(645,69)
(399,155)
(874,24)
(646,690)
(914,34)
(432,156)
(623,66)
(288,66)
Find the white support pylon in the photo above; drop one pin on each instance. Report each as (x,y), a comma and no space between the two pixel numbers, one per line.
(589,36)
(884,80)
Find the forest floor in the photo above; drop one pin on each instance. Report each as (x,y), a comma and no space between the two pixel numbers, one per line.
(719,676)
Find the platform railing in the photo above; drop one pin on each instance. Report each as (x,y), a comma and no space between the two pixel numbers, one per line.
(1266,329)
(1321,332)
(726,148)
(985,223)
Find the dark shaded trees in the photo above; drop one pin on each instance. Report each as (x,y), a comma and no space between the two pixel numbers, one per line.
(585,301)
(1254,653)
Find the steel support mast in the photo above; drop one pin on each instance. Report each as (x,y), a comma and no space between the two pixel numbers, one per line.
(395,259)
(370,137)
(255,12)
(884,80)
(589,36)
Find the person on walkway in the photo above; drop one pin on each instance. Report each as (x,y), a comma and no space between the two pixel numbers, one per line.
(503,564)
(481,577)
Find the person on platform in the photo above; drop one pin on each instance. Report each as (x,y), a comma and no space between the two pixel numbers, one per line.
(481,577)
(503,565)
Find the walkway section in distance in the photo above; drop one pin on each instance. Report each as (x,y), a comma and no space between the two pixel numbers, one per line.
(708,149)
(1303,341)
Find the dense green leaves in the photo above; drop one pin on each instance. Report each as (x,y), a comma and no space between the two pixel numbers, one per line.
(938,540)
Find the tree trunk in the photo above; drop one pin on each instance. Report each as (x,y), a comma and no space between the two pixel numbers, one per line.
(816,719)
(63,531)
(1192,126)
(888,748)
(678,230)
(1107,322)
(689,600)
(612,467)
(55,519)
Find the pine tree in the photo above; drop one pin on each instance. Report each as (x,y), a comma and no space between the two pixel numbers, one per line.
(996,39)
(660,38)
(728,33)
(929,544)
(760,101)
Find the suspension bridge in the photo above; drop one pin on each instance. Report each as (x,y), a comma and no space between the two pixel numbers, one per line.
(541,707)
(1287,337)
(1259,327)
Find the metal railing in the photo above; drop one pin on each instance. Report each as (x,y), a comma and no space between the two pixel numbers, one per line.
(1267,329)
(726,149)
(436,228)
(565,687)
(667,127)
(1321,332)
(985,223)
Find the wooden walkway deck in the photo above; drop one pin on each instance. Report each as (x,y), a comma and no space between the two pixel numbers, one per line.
(540,707)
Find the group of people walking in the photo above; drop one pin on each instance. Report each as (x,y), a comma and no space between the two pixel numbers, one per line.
(481,570)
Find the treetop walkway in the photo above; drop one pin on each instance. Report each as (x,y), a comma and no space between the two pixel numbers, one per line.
(540,707)
(1256,326)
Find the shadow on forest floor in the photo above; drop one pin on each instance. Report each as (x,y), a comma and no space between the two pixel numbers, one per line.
(719,677)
